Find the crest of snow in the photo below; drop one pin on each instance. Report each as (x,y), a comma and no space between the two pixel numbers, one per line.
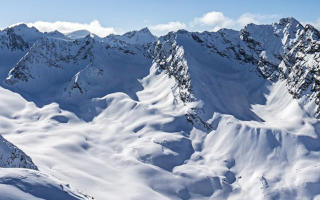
(140,37)
(21,184)
(78,34)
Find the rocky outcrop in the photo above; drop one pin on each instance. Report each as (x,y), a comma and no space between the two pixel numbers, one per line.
(286,50)
(169,57)
(19,38)
(12,157)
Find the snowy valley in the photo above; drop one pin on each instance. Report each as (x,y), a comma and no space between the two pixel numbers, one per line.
(188,115)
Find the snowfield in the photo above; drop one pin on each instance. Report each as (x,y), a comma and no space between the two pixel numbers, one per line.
(212,115)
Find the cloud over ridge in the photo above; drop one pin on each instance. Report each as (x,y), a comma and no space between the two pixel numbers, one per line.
(66,27)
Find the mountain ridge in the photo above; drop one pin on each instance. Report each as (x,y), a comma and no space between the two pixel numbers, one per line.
(188,115)
(271,61)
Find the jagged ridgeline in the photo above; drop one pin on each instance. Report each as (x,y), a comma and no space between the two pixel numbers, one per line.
(82,67)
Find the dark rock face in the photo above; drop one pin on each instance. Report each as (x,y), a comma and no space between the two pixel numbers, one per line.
(52,52)
(169,56)
(302,66)
(286,50)
(19,38)
(12,157)
(15,41)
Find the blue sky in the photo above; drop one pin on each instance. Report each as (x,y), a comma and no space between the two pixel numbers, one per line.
(161,16)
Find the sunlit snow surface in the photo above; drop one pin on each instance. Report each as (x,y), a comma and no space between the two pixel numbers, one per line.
(262,144)
(108,157)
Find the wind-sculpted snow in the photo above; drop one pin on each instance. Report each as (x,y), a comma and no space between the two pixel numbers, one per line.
(212,115)
(22,184)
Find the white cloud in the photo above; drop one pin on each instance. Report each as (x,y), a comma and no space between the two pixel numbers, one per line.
(317,24)
(209,21)
(248,18)
(171,26)
(216,19)
(67,27)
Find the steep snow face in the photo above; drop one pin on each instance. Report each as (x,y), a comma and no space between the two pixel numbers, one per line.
(79,70)
(82,69)
(15,42)
(12,48)
(184,116)
(78,34)
(21,184)
(19,37)
(221,84)
(51,56)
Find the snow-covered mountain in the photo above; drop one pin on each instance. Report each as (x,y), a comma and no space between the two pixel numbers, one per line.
(188,115)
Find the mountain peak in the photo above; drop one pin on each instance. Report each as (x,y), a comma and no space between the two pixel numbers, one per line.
(289,20)
(142,36)
(78,34)
(145,30)
(55,34)
(18,28)
(20,36)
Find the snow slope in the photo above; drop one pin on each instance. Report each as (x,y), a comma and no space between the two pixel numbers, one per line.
(212,115)
(21,184)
